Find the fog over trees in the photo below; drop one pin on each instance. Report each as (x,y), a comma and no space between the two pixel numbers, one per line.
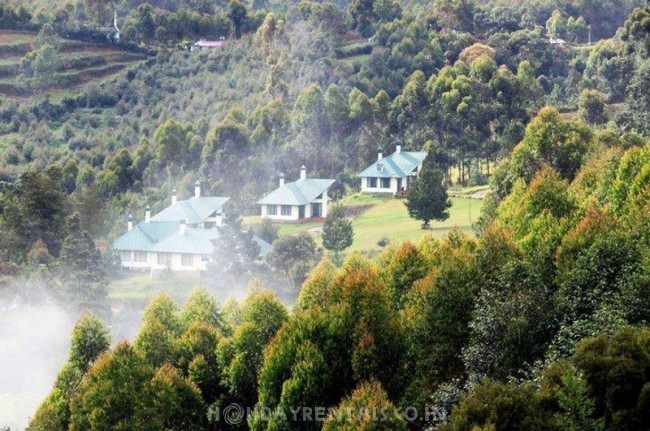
(399,309)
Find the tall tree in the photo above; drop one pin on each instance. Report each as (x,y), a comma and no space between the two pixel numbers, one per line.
(637,104)
(32,210)
(146,24)
(428,199)
(591,106)
(80,259)
(337,231)
(243,353)
(90,338)
(311,124)
(170,139)
(237,14)
(235,249)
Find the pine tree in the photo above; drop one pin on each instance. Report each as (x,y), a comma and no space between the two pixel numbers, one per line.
(428,200)
(80,259)
(337,231)
(235,254)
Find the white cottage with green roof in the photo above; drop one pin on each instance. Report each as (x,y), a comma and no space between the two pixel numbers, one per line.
(179,238)
(392,174)
(302,199)
(202,212)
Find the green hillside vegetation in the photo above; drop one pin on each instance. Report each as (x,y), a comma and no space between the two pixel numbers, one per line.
(530,314)
(81,63)
(541,320)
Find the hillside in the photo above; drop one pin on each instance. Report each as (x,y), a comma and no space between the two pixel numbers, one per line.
(82,63)
(526,309)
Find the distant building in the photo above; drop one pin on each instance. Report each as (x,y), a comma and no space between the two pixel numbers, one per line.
(301,199)
(179,238)
(202,45)
(392,174)
(557,41)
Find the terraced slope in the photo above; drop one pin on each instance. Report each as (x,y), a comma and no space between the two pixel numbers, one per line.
(81,63)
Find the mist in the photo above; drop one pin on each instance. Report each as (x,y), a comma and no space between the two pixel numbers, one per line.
(34,343)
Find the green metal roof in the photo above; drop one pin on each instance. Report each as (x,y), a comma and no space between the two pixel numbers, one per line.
(165,237)
(396,165)
(301,192)
(144,235)
(192,210)
(194,241)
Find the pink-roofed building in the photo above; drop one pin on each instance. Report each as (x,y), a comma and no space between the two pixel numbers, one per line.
(202,45)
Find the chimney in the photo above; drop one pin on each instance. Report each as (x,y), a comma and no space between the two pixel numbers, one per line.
(398,148)
(183,227)
(130,224)
(197,189)
(147,214)
(174,196)
(281,179)
(380,153)
(303,172)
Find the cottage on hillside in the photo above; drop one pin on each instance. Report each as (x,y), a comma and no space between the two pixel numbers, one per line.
(392,174)
(201,212)
(301,199)
(203,45)
(179,238)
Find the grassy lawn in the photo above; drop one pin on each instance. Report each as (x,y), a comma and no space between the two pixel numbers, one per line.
(388,218)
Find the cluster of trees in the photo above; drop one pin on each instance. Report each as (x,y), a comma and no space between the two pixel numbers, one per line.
(570,29)
(14,17)
(149,22)
(540,323)
(181,362)
(38,67)
(159,26)
(463,91)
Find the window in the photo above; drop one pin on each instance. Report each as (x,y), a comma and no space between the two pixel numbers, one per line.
(125,256)
(187,259)
(140,256)
(209,224)
(380,167)
(205,258)
(286,210)
(164,258)
(385,183)
(371,183)
(272,209)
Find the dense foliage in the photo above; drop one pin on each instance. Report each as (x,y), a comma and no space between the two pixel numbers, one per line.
(538,323)
(459,79)
(541,323)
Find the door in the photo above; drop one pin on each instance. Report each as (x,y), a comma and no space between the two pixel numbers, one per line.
(301,211)
(315,210)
